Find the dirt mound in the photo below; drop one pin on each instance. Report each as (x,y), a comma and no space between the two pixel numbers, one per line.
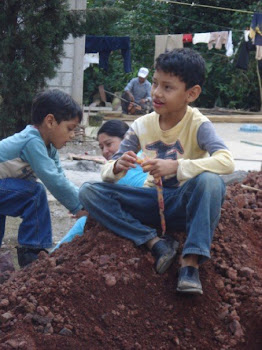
(101,292)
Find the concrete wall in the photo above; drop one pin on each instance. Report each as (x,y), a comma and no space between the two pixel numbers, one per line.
(70,74)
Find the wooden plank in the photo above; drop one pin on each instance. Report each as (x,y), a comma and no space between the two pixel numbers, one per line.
(226,111)
(112,112)
(98,109)
(254,119)
(124,117)
(109,115)
(235,118)
(222,116)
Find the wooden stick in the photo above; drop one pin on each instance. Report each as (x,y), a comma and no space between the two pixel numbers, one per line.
(251,188)
(161,203)
(160,197)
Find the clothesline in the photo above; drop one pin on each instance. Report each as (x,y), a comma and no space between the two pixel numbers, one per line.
(207,6)
(197,21)
(207,23)
(146,36)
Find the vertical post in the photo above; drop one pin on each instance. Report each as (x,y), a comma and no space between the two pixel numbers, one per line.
(260,86)
(79,51)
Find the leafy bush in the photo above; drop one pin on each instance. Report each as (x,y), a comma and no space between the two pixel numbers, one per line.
(32,33)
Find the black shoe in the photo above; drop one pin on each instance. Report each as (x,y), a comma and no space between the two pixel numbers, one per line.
(164,252)
(27,255)
(188,280)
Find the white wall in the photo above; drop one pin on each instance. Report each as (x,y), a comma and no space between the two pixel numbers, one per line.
(70,74)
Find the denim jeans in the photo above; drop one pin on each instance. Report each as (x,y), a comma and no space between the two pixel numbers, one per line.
(131,212)
(28,200)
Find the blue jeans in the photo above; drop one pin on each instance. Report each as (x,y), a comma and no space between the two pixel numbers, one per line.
(28,200)
(130,212)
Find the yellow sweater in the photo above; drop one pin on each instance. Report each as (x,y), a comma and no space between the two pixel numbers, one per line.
(193,142)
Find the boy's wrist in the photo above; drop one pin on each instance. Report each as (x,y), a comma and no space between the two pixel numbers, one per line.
(176,166)
(115,170)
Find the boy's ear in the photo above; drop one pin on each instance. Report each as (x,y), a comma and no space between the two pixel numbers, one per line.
(49,120)
(194,92)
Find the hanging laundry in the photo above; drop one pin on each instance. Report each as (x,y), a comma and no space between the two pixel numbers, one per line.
(217,39)
(243,57)
(164,43)
(246,34)
(105,44)
(187,38)
(90,58)
(229,45)
(201,38)
(256,28)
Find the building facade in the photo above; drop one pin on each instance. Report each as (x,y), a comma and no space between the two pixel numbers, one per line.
(70,74)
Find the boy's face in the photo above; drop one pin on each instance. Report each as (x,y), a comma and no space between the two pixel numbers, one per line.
(60,134)
(169,95)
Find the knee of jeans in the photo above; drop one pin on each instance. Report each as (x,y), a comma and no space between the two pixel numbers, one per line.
(211,182)
(40,189)
(85,192)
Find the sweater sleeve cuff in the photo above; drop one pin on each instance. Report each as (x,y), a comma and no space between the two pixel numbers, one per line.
(108,175)
(179,173)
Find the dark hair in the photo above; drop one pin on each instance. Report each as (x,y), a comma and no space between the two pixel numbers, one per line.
(55,102)
(187,64)
(114,127)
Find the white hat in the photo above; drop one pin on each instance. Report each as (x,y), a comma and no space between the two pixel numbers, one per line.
(143,72)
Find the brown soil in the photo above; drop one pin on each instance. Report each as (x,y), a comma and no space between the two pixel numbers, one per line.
(101,292)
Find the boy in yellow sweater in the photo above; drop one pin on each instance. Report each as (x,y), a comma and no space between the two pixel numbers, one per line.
(183,149)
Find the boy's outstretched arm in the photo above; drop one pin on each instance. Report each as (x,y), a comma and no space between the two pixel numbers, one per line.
(79,214)
(48,169)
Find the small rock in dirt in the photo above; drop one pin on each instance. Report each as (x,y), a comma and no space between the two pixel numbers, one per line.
(7,316)
(246,272)
(65,331)
(236,329)
(98,331)
(110,280)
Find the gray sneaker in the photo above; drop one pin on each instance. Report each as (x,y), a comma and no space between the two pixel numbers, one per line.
(164,252)
(188,280)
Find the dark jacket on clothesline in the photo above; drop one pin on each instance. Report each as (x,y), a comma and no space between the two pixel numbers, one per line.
(105,44)
(243,57)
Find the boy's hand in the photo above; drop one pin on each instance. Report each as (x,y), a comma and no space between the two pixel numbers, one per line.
(125,162)
(79,214)
(160,167)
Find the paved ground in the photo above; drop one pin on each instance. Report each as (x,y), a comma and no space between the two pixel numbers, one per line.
(247,157)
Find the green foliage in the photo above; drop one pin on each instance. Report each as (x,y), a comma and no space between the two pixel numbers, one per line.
(226,85)
(135,20)
(31,46)
(99,20)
